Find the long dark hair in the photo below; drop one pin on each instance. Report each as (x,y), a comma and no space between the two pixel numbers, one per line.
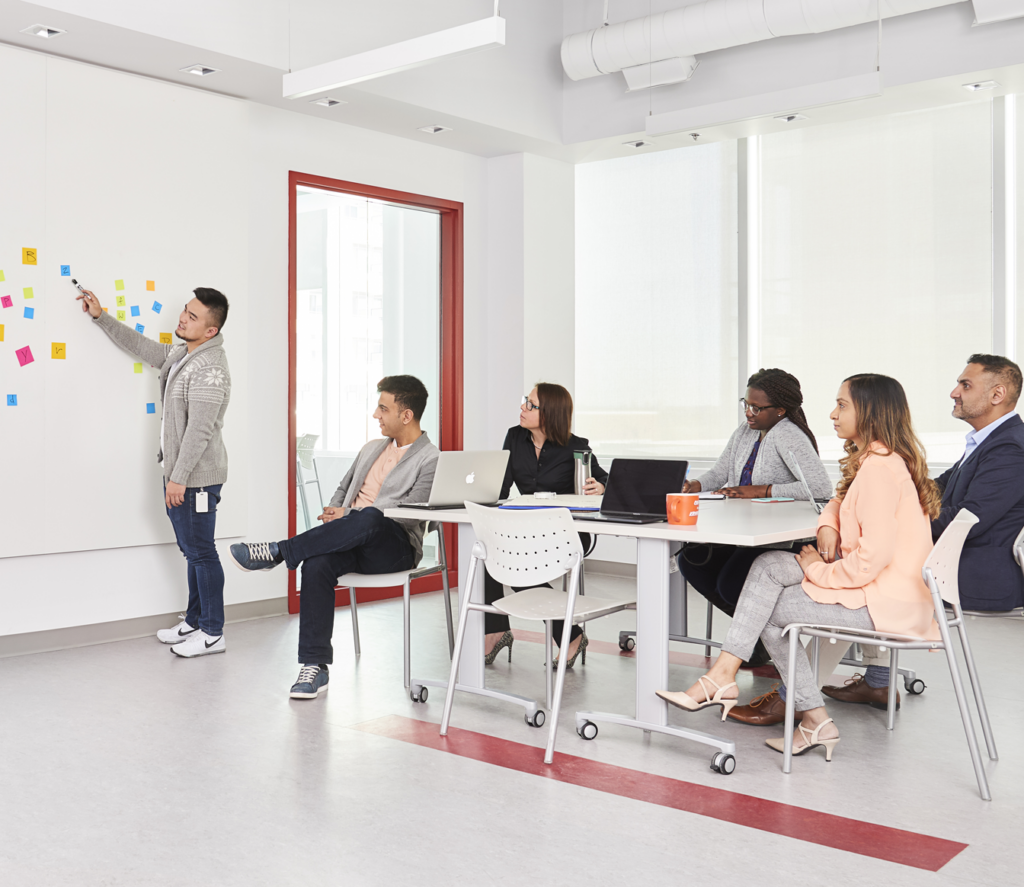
(783,390)
(555,412)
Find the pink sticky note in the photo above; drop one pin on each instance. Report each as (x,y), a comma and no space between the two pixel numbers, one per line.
(6,302)
(25,355)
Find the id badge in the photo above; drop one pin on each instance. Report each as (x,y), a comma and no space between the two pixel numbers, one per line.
(202,502)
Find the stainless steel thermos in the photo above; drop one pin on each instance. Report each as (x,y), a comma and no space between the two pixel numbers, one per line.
(581,469)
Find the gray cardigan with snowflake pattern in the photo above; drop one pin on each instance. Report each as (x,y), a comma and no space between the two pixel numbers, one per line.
(193,409)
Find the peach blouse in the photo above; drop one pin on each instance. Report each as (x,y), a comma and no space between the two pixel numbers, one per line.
(885,537)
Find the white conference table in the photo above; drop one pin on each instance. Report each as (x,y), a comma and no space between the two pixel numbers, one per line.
(727,521)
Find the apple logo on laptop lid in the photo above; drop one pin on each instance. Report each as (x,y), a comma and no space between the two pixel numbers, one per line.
(470,477)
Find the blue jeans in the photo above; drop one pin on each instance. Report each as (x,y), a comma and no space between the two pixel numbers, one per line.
(194,533)
(362,541)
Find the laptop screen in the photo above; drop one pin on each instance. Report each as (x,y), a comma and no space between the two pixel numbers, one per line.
(639,486)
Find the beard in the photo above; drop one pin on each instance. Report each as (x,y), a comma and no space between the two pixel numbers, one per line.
(967,411)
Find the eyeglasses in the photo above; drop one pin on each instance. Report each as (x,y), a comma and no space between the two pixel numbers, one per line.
(750,408)
(529,404)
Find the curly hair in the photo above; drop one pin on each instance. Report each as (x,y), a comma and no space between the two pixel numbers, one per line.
(883,415)
(783,390)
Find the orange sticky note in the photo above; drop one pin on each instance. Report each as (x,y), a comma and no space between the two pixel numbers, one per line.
(165,338)
(151,285)
(58,350)
(1,332)
(28,256)
(107,310)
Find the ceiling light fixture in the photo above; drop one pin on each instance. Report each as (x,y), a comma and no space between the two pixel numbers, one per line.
(435,129)
(789,118)
(328,102)
(199,70)
(403,56)
(982,84)
(43,31)
(638,143)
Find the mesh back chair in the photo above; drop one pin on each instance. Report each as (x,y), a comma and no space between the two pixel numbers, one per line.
(519,548)
(940,574)
(404,578)
(1018,556)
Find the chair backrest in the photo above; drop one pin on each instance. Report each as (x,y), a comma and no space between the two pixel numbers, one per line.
(526,547)
(943,563)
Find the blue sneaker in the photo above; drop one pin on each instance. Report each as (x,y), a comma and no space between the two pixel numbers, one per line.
(312,681)
(252,556)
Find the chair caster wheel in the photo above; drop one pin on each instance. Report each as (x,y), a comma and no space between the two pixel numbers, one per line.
(537,720)
(419,695)
(588,730)
(627,643)
(914,687)
(723,763)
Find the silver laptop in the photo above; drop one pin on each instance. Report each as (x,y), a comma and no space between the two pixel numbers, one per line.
(466,476)
(819,504)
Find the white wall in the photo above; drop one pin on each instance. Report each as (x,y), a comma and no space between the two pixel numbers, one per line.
(55,591)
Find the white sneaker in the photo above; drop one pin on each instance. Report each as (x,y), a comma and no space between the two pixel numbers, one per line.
(199,644)
(177,634)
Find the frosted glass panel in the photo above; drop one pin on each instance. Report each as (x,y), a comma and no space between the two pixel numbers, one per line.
(656,302)
(876,257)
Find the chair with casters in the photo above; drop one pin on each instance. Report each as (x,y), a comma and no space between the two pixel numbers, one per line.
(940,575)
(520,548)
(404,578)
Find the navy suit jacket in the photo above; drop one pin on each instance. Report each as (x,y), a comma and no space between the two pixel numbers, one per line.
(990,485)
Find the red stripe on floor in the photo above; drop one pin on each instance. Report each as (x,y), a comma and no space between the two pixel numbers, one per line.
(852,835)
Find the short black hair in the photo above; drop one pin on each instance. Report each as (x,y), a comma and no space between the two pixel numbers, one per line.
(408,391)
(216,303)
(1005,371)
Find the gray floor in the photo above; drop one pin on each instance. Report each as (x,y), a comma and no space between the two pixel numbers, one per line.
(123,764)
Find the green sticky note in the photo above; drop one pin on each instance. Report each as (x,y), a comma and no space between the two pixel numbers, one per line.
(138,367)
(120,315)
(2,275)
(119,284)
(27,290)
(120,301)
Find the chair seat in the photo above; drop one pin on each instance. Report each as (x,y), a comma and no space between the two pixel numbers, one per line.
(374,580)
(548,603)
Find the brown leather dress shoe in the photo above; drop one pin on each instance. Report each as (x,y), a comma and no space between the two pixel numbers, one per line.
(856,690)
(765,710)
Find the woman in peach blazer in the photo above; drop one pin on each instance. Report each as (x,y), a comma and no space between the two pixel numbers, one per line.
(880,521)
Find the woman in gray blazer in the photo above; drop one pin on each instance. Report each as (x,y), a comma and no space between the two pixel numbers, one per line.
(755,464)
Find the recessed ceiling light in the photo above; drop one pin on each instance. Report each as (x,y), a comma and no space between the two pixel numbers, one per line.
(789,118)
(435,129)
(638,143)
(327,102)
(43,31)
(199,70)
(983,84)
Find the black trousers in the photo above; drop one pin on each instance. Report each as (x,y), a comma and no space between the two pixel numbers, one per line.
(498,622)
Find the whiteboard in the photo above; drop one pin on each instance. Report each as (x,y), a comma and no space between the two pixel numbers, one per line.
(122,179)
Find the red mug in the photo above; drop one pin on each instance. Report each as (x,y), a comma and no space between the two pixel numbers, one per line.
(682,508)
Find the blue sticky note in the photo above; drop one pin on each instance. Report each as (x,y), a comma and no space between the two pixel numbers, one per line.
(12,400)
(150,407)
(139,328)
(156,307)
(65,270)
(30,313)
(135,310)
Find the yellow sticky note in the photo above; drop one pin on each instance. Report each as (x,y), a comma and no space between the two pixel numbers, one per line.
(120,315)
(119,284)
(150,285)
(2,275)
(107,310)
(58,350)
(120,301)
(27,290)
(28,256)
(138,367)
(165,338)
(1,332)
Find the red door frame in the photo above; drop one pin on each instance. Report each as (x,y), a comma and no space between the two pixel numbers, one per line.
(451,213)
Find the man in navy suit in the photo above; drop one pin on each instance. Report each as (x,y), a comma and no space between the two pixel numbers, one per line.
(989,482)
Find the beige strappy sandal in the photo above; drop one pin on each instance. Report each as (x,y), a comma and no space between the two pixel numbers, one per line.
(810,738)
(687,703)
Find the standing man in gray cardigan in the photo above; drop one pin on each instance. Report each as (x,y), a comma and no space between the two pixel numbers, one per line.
(355,536)
(195,387)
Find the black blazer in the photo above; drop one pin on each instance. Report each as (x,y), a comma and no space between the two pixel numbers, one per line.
(553,472)
(991,486)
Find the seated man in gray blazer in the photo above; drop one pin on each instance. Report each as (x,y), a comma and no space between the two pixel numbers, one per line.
(355,536)
(989,482)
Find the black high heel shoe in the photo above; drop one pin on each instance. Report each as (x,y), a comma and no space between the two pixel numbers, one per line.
(504,641)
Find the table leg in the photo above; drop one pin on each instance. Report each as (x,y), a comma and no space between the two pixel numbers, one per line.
(471,665)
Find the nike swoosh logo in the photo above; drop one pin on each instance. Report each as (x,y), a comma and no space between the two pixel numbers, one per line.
(209,644)
(185,634)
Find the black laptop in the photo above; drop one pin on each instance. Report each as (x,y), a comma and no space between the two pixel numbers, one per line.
(636,491)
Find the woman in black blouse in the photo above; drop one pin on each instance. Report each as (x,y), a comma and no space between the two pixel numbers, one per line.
(540,461)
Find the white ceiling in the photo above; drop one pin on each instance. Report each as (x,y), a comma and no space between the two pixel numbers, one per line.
(514,98)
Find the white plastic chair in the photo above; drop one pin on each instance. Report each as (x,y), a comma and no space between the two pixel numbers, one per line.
(940,574)
(522,548)
(403,578)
